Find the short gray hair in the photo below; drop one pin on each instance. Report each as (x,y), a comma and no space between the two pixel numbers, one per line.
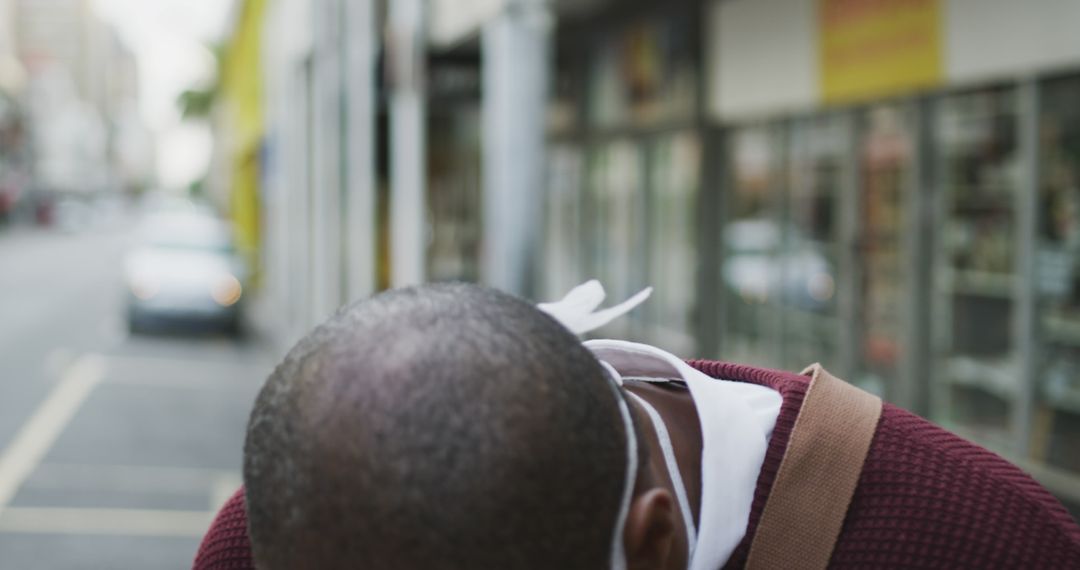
(443,426)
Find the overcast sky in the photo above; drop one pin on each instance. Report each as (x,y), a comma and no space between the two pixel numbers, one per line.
(170,39)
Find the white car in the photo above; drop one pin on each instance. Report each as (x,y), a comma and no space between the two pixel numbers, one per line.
(184,270)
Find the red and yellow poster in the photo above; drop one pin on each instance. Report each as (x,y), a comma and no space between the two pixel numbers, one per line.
(875,48)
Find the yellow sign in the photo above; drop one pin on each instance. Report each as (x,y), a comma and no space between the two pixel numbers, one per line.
(877,48)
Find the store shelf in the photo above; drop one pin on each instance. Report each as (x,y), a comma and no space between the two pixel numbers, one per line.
(1000,378)
(1061,389)
(991,203)
(983,283)
(1061,329)
(1068,401)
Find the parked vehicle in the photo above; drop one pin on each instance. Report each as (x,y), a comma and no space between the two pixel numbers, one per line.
(184,270)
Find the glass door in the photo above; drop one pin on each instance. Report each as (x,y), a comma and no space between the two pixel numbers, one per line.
(809,264)
(675,180)
(1056,428)
(752,241)
(886,167)
(563,252)
(978,368)
(616,206)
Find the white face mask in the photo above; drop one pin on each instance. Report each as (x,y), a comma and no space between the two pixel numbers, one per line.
(618,553)
(578,312)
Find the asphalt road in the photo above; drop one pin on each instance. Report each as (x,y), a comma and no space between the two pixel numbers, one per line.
(115,450)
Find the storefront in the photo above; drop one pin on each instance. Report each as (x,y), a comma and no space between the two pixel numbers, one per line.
(1057,274)
(901,204)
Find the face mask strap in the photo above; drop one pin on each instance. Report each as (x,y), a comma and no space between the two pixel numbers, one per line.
(618,549)
(668,450)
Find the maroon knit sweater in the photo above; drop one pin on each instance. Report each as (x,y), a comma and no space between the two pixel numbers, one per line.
(925,499)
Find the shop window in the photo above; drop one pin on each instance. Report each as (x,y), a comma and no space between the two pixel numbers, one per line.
(886,166)
(818,172)
(752,240)
(1056,431)
(563,249)
(644,74)
(616,225)
(674,167)
(979,376)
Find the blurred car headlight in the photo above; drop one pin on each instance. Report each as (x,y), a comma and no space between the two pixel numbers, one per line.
(227,291)
(144,287)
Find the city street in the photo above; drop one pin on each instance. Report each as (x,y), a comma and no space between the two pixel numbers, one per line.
(115,450)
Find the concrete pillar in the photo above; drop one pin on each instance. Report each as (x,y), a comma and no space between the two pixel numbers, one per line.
(360,45)
(408,142)
(516,60)
(326,160)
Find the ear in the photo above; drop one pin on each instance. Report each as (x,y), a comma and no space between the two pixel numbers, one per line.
(650,535)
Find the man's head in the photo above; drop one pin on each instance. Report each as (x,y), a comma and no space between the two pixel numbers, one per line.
(445,426)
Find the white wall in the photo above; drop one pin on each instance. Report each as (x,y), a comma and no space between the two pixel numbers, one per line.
(287,232)
(991,39)
(762,57)
(762,54)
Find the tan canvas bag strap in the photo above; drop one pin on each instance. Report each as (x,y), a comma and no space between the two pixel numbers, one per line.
(817,476)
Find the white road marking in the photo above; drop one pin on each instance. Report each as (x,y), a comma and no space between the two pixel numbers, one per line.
(121,522)
(38,434)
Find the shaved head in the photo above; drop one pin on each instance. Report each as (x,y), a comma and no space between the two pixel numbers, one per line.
(445,426)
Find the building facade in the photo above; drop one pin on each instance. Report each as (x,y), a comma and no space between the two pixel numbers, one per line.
(889,188)
(899,178)
(81,92)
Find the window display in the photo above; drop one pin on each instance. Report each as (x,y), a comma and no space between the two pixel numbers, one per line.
(616,223)
(752,243)
(822,259)
(454,196)
(886,156)
(1057,277)
(563,239)
(564,112)
(644,74)
(979,376)
(818,169)
(675,166)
